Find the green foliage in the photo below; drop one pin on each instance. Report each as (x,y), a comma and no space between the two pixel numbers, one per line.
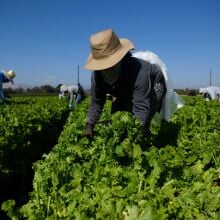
(121,174)
(30,126)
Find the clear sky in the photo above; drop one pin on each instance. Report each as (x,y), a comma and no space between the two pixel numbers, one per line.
(44,41)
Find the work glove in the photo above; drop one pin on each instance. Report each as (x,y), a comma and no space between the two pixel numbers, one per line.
(89,130)
(70,106)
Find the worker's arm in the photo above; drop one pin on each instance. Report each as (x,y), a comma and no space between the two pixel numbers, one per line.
(2,96)
(98,99)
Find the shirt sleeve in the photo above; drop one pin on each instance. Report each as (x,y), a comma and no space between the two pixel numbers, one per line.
(141,97)
(98,99)
(2,97)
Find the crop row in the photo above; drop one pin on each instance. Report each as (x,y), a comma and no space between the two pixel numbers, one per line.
(120,174)
(30,126)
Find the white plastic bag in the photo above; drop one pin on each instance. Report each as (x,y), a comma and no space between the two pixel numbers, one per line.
(172,101)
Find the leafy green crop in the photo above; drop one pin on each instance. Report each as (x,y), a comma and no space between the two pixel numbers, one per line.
(30,126)
(120,174)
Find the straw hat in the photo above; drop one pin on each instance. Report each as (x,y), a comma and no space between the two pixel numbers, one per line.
(106,50)
(10,75)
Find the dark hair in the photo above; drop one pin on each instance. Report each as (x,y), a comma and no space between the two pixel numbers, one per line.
(128,54)
(126,57)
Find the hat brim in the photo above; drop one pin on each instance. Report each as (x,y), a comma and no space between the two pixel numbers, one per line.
(8,77)
(107,62)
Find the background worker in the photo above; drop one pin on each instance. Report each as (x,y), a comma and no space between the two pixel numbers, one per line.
(210,93)
(137,85)
(5,77)
(75,92)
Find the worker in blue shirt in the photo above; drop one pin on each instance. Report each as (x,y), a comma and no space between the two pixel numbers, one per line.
(5,77)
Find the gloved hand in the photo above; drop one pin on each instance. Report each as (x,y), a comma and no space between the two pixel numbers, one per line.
(70,106)
(89,130)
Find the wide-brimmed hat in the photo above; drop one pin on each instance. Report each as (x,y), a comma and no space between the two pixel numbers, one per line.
(106,50)
(10,75)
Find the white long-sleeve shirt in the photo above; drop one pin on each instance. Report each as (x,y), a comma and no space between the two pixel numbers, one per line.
(71,89)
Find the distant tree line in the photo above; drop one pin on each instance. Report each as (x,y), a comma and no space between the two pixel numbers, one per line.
(42,90)
(48,89)
(187,91)
(34,90)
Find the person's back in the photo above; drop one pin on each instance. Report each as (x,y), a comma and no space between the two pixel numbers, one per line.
(72,89)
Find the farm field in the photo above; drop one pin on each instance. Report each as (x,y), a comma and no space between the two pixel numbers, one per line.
(119,174)
(30,126)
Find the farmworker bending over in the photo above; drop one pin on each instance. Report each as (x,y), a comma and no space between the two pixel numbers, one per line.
(137,85)
(76,93)
(5,77)
(210,93)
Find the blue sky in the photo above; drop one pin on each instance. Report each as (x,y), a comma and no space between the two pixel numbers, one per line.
(44,41)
